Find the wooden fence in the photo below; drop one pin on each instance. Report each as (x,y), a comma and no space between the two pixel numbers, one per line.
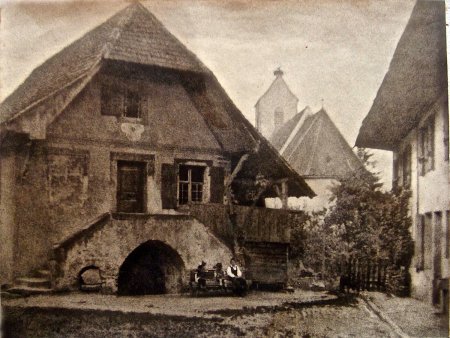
(362,275)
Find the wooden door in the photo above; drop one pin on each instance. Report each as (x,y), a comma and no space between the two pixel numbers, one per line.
(130,186)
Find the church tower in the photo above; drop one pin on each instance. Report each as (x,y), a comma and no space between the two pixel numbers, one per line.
(276,106)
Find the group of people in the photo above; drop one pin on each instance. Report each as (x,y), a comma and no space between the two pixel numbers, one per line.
(233,273)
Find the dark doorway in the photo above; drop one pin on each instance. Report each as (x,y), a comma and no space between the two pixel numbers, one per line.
(130,186)
(152,268)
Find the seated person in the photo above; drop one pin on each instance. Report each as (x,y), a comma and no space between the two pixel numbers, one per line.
(235,275)
(218,273)
(201,270)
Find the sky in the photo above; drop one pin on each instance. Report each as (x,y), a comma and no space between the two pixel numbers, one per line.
(330,50)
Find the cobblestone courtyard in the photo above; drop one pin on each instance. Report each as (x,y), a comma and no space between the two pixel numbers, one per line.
(302,314)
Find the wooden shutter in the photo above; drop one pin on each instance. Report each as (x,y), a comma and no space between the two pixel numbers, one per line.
(419,247)
(217,184)
(168,186)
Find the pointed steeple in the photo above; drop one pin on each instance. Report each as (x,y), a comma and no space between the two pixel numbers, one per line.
(278,72)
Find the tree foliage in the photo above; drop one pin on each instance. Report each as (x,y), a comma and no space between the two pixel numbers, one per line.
(363,222)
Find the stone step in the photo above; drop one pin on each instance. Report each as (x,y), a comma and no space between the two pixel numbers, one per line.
(43,273)
(33,282)
(27,291)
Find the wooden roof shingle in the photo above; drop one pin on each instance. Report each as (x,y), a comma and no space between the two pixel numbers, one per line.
(132,35)
(135,37)
(416,79)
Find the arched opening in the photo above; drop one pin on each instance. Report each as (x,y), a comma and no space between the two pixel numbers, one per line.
(152,268)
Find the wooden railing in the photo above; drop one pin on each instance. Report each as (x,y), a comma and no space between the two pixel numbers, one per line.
(254,224)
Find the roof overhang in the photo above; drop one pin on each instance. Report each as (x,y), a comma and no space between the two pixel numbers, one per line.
(415,81)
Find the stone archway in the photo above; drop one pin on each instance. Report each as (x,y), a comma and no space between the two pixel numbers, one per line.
(152,268)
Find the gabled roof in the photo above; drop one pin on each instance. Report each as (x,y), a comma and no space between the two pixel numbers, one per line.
(277,83)
(318,149)
(416,79)
(280,137)
(136,38)
(132,35)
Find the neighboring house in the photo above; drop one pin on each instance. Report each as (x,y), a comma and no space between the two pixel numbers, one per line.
(120,158)
(409,117)
(314,147)
(276,106)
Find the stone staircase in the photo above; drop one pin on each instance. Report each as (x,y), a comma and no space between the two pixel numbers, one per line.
(38,283)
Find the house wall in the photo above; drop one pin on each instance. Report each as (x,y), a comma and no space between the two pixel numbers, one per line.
(7,180)
(430,198)
(108,247)
(277,97)
(71,175)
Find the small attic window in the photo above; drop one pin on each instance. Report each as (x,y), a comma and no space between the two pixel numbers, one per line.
(120,102)
(132,105)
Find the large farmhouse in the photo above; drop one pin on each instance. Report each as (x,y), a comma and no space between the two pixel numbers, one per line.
(410,118)
(123,156)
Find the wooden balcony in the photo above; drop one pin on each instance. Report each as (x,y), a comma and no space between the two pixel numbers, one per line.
(252,223)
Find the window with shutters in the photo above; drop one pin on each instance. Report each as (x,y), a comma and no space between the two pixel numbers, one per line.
(426,147)
(190,184)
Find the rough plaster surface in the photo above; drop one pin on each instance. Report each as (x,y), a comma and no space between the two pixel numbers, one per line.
(108,247)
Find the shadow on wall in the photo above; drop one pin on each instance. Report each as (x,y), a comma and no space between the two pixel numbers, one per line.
(152,268)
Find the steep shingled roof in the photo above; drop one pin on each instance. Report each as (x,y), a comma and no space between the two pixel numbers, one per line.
(132,35)
(416,79)
(135,36)
(318,149)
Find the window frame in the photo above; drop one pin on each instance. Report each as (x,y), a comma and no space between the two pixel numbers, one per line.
(190,183)
(426,153)
(126,104)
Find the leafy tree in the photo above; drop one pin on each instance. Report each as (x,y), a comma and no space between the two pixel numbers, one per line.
(363,222)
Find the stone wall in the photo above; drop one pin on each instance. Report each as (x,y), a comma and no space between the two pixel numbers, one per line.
(108,245)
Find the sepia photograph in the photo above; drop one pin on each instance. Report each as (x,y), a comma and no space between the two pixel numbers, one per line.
(224,168)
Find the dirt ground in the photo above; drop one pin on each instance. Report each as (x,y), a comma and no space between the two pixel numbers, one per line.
(302,314)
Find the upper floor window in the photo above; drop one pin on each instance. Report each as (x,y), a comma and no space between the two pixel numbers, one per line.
(406,164)
(132,105)
(117,101)
(402,168)
(426,147)
(190,184)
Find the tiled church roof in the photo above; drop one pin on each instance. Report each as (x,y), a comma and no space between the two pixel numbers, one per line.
(318,149)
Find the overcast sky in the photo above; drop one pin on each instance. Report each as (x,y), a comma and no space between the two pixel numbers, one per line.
(338,51)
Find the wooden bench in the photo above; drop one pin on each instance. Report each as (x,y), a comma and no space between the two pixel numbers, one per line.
(213,282)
